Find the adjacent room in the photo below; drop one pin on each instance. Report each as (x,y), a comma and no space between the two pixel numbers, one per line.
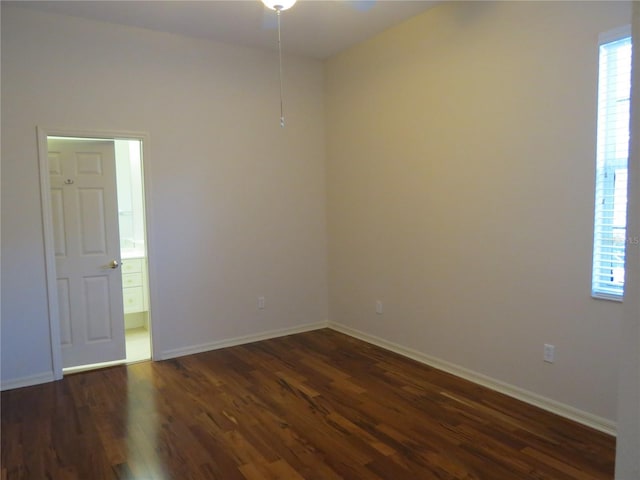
(368,254)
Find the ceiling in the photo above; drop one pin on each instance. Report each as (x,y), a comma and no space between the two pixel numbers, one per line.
(314,28)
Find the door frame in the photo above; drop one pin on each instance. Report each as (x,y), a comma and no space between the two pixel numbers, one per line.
(47,224)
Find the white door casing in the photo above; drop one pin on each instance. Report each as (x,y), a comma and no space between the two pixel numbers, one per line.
(84,217)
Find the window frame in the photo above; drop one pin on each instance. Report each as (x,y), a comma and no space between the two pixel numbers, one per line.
(605,179)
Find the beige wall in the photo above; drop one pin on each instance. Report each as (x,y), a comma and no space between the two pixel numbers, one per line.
(237,203)
(628,444)
(460,160)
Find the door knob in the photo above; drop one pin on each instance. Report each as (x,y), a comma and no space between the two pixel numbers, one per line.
(114,264)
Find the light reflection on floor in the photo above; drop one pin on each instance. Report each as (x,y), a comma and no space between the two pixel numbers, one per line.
(138,345)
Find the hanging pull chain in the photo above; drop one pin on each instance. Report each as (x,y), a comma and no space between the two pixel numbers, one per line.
(280,62)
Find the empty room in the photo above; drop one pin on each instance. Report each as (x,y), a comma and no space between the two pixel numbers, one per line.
(334,239)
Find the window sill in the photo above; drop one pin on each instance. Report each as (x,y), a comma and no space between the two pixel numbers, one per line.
(607,296)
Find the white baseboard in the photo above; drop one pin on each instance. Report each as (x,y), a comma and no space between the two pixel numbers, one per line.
(232,342)
(27,381)
(580,416)
(93,366)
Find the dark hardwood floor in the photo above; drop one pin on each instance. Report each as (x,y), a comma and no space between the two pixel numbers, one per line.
(317,405)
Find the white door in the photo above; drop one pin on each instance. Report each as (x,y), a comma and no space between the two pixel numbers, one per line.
(87,249)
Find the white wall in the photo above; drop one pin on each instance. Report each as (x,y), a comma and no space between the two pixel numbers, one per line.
(628,441)
(460,181)
(237,203)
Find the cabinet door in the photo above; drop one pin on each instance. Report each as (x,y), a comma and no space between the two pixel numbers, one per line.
(133,300)
(131,280)
(132,265)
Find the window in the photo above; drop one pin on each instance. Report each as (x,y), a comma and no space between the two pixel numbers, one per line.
(610,223)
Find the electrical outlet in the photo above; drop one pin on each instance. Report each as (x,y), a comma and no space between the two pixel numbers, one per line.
(260,303)
(549,353)
(378,307)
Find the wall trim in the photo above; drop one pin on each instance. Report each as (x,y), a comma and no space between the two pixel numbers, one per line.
(28,381)
(232,342)
(596,422)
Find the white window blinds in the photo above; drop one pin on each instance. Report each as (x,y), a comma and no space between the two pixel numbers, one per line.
(614,86)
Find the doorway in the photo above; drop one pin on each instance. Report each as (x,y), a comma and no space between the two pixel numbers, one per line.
(96,249)
(133,249)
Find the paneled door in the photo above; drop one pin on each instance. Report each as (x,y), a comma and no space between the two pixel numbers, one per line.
(84,208)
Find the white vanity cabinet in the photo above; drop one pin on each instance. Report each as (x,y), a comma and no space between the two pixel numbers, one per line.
(134,285)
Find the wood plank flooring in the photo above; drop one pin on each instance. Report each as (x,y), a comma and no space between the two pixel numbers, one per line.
(318,405)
